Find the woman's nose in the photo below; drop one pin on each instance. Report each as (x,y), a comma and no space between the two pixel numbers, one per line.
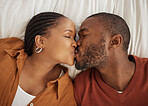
(74,44)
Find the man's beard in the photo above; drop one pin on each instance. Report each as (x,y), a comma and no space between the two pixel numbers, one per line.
(94,56)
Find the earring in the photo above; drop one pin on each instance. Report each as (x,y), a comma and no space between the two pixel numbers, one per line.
(38,50)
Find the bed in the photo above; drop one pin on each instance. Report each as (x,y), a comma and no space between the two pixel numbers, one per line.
(15,14)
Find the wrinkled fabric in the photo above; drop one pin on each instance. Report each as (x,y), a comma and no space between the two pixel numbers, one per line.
(91,90)
(12,57)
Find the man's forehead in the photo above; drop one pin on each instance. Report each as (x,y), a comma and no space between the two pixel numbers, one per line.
(83,29)
(89,23)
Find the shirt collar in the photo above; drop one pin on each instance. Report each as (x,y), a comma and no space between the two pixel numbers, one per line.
(15,48)
(62,82)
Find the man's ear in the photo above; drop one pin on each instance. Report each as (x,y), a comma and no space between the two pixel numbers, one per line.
(115,41)
(39,41)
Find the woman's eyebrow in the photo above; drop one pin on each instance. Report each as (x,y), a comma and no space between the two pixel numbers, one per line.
(68,30)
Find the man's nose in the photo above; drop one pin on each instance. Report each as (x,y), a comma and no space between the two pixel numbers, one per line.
(79,43)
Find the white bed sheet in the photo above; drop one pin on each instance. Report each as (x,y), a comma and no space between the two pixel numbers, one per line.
(15,14)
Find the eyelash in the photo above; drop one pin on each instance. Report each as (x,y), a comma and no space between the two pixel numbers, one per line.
(67,36)
(84,35)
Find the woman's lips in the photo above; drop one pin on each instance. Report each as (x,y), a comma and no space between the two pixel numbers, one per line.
(73,53)
(76,53)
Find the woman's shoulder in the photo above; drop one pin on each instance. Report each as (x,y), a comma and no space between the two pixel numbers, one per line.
(11,39)
(8,51)
(10,42)
(10,45)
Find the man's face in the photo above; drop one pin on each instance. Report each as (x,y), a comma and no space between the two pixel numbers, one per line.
(92,48)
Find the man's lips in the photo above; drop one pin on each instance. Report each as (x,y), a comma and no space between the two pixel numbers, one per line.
(76,53)
(76,50)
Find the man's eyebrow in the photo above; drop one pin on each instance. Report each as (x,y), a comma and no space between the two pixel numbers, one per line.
(83,29)
(68,30)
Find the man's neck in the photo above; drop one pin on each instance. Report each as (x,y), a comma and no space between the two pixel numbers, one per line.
(118,73)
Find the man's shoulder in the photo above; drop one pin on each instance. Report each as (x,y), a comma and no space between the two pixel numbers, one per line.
(144,60)
(81,83)
(141,64)
(84,75)
(141,60)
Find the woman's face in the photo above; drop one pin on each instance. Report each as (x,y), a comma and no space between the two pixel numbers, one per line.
(59,45)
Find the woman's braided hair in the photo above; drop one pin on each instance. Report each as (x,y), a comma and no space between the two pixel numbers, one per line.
(38,25)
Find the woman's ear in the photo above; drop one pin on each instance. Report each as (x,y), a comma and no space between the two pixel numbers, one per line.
(115,41)
(39,41)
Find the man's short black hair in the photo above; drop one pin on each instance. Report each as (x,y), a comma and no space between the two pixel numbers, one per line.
(114,24)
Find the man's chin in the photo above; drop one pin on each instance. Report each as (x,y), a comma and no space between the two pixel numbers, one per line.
(79,66)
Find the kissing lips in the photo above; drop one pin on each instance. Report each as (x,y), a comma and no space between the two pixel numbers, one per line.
(77,53)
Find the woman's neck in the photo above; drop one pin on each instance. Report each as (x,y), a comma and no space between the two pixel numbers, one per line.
(37,67)
(36,73)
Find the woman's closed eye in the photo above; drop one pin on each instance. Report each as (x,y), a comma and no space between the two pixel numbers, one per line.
(67,36)
(70,36)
